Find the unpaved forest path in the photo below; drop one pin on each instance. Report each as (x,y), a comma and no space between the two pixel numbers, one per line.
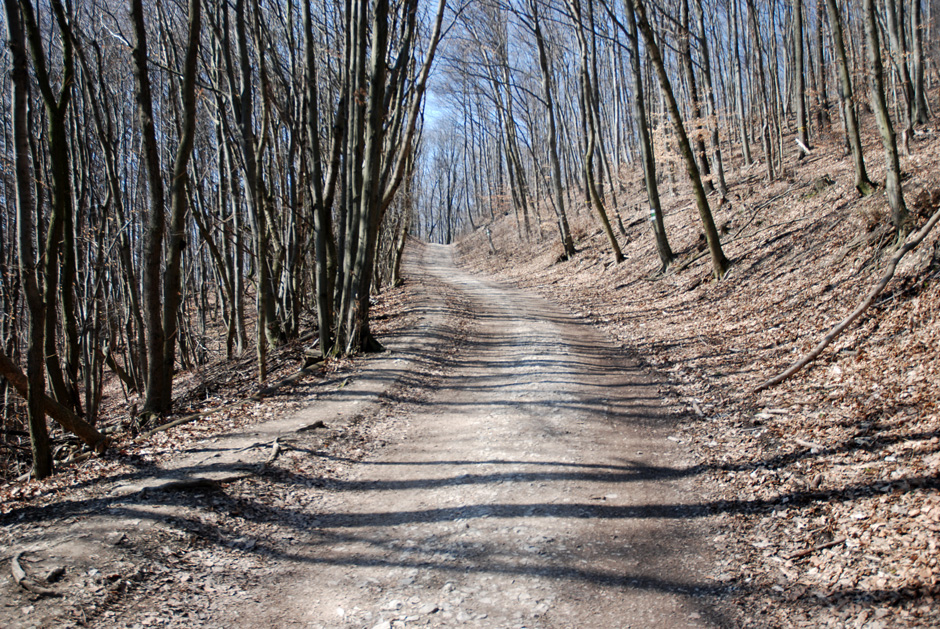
(536,487)
(503,466)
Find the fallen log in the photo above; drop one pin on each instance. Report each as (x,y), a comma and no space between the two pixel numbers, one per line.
(61,414)
(809,357)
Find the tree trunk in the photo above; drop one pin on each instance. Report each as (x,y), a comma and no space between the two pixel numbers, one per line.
(322,220)
(899,216)
(647,156)
(822,112)
(59,251)
(172,286)
(557,190)
(764,96)
(712,123)
(921,113)
(898,55)
(720,263)
(35,376)
(587,91)
(863,184)
(158,398)
(799,75)
(685,56)
(739,81)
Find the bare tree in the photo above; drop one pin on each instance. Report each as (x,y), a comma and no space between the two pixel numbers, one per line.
(720,263)
(26,236)
(863,184)
(557,188)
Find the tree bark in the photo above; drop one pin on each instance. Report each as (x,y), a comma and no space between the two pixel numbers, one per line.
(588,109)
(800,76)
(322,220)
(557,190)
(158,398)
(647,156)
(35,382)
(921,112)
(822,112)
(172,283)
(894,20)
(711,102)
(59,251)
(685,56)
(739,81)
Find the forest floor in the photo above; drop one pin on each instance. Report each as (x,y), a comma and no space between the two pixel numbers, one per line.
(825,488)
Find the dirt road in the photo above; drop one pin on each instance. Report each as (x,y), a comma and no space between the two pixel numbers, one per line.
(532,485)
(535,488)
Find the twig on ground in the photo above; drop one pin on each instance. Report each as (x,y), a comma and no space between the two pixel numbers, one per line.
(275,452)
(808,444)
(818,547)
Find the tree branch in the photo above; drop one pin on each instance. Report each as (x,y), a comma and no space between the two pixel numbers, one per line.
(841,326)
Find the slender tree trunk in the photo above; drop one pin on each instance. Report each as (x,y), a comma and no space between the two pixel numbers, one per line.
(647,156)
(383,152)
(685,56)
(172,284)
(557,190)
(822,112)
(158,399)
(800,76)
(863,184)
(59,251)
(739,82)
(895,28)
(711,103)
(720,263)
(899,216)
(587,89)
(921,112)
(322,223)
(764,96)
(29,269)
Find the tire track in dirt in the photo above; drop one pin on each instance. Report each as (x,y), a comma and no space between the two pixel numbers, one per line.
(536,487)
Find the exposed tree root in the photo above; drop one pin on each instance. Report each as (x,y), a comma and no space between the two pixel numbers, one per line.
(23,580)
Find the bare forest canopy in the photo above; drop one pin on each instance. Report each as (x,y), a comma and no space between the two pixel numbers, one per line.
(187,179)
